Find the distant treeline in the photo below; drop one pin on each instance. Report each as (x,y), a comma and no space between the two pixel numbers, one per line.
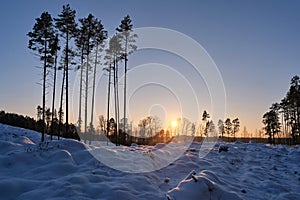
(27,122)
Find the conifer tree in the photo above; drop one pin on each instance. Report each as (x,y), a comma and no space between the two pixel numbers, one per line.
(41,38)
(66,25)
(236,126)
(98,40)
(128,43)
(88,25)
(55,48)
(228,127)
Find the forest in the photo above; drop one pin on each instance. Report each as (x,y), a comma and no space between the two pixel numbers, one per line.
(63,43)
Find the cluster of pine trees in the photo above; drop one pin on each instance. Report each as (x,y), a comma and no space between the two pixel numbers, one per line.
(80,45)
(231,128)
(283,119)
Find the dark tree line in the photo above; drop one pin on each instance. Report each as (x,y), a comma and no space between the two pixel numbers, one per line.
(21,121)
(82,46)
(284,117)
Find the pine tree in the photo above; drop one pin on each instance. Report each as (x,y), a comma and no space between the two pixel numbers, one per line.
(98,40)
(221,128)
(236,126)
(205,116)
(60,112)
(290,109)
(66,24)
(55,48)
(80,44)
(41,39)
(228,127)
(128,42)
(88,26)
(272,124)
(108,63)
(113,54)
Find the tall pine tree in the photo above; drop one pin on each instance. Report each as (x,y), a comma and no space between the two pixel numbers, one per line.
(88,27)
(98,40)
(128,46)
(41,38)
(55,48)
(66,25)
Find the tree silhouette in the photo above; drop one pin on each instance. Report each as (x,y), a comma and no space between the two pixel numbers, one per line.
(289,107)
(41,39)
(60,111)
(236,126)
(228,127)
(205,116)
(113,54)
(66,24)
(98,40)
(80,44)
(39,113)
(272,124)
(88,25)
(221,128)
(109,69)
(128,43)
(55,48)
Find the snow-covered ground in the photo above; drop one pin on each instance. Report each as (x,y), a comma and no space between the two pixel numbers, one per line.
(66,169)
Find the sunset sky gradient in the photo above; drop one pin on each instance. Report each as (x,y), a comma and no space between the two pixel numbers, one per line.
(255,45)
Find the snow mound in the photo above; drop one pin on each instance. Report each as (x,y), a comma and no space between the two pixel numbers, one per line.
(67,169)
(204,185)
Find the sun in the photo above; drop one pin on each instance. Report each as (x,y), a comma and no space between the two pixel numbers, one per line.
(174,123)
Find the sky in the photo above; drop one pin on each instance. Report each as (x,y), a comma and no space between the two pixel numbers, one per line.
(254,44)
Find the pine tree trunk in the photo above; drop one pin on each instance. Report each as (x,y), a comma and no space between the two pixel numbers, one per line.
(108,103)
(94,85)
(44,90)
(86,96)
(80,94)
(53,95)
(67,84)
(118,108)
(115,94)
(61,101)
(125,85)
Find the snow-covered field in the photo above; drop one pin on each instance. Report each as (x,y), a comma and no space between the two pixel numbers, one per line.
(66,169)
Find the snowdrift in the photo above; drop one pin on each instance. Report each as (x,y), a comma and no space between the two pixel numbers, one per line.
(66,169)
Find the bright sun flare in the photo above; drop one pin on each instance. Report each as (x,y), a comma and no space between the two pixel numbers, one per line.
(174,123)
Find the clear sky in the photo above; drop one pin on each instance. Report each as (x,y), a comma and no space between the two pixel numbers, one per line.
(255,44)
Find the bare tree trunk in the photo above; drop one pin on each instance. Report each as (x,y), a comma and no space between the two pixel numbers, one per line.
(116,101)
(108,103)
(125,85)
(67,84)
(80,93)
(86,96)
(53,95)
(94,85)
(44,91)
(61,101)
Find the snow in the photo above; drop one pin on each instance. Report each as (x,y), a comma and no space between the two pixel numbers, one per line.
(68,169)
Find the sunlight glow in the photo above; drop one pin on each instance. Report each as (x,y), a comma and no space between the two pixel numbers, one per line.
(174,123)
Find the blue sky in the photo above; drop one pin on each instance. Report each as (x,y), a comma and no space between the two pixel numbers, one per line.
(255,44)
